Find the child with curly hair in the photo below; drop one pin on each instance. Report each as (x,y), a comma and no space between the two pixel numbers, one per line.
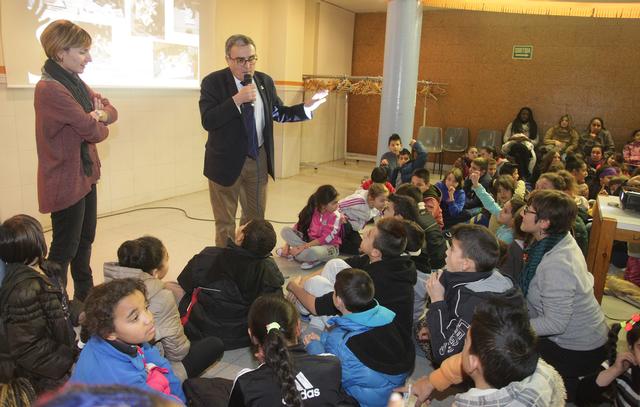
(121,326)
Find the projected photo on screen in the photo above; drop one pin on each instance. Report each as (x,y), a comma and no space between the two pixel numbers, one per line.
(136,43)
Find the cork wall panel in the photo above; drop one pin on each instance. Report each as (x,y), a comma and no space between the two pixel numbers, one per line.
(582,66)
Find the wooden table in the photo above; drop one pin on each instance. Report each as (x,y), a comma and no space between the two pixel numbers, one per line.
(610,223)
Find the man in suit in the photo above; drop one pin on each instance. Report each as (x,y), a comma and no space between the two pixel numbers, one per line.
(238,106)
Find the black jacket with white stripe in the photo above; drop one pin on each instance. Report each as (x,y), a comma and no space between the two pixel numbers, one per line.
(318,379)
(449,320)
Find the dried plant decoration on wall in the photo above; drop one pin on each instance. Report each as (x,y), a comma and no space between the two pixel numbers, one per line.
(366,85)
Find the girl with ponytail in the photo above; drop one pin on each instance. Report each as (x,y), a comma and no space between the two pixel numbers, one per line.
(619,379)
(316,237)
(287,375)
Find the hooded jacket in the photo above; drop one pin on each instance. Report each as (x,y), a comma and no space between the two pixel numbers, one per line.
(432,255)
(375,355)
(449,320)
(393,280)
(221,283)
(544,388)
(170,335)
(102,364)
(38,342)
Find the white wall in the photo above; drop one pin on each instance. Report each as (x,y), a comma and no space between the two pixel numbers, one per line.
(155,150)
(329,50)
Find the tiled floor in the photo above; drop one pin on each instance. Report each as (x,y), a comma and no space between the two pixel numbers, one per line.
(184,237)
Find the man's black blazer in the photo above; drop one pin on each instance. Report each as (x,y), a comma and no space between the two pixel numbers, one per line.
(226,147)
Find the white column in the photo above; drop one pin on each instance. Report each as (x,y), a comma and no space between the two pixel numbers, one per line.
(401,54)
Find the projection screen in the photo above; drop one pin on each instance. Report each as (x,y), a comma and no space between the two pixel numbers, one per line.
(136,43)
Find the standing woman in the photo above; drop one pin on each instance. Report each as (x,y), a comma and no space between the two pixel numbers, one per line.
(70,119)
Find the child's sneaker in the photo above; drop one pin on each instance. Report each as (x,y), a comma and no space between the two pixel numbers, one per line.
(280,253)
(307,265)
(632,272)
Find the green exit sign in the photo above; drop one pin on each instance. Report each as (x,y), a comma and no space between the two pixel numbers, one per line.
(522,52)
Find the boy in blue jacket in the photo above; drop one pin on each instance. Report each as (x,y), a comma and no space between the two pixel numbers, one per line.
(120,323)
(376,357)
(406,165)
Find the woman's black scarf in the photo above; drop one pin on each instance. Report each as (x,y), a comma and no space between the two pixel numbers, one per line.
(79,91)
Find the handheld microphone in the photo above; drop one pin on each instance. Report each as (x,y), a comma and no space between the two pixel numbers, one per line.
(248,79)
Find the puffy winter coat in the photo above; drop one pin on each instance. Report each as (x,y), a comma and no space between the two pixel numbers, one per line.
(38,342)
(220,286)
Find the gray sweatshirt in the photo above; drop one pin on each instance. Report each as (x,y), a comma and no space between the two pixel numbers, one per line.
(561,303)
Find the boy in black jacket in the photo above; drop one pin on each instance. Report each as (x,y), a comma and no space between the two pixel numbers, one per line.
(393,275)
(221,284)
(470,278)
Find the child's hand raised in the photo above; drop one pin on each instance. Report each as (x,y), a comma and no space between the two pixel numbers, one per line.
(435,289)
(384,162)
(475,178)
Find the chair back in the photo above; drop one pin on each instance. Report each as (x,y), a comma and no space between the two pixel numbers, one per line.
(456,139)
(431,138)
(489,138)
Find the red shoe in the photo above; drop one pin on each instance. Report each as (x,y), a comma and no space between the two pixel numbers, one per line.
(632,272)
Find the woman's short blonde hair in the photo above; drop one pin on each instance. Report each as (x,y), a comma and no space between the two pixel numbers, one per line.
(61,35)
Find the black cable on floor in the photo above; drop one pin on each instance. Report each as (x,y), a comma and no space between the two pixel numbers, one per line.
(184,212)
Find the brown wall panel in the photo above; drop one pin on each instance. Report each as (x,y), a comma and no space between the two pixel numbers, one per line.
(582,66)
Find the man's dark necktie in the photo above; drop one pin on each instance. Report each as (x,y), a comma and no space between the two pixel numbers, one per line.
(250,124)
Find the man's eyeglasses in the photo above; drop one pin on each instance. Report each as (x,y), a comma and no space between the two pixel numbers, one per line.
(527,210)
(243,61)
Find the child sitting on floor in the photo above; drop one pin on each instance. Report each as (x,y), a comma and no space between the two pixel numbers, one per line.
(431,195)
(596,159)
(503,210)
(287,374)
(147,259)
(357,210)
(393,273)
(464,162)
(375,356)
(378,176)
(469,279)
(221,283)
(500,356)
(121,326)
(316,237)
(37,342)
(453,198)
(620,375)
(407,164)
(389,160)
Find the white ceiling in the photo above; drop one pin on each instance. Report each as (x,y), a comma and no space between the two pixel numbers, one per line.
(360,6)
(373,6)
